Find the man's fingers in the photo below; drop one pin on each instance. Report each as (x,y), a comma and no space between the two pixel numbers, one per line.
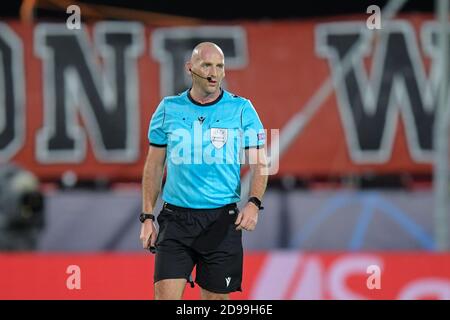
(148,234)
(247,224)
(252,224)
(149,240)
(153,239)
(145,239)
(238,219)
(146,242)
(242,224)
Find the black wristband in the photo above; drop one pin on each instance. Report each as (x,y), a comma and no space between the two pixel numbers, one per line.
(145,216)
(257,202)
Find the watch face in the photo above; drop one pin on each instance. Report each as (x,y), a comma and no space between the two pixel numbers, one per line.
(142,218)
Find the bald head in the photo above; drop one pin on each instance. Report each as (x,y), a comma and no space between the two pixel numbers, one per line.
(207,69)
(205,49)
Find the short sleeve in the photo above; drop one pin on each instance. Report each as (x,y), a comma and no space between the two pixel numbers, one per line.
(254,135)
(156,134)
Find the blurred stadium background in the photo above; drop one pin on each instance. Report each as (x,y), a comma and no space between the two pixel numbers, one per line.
(364,142)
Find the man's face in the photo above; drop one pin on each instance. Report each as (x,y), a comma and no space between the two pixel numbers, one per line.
(210,64)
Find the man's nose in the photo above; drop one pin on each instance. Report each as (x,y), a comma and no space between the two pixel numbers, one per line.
(213,72)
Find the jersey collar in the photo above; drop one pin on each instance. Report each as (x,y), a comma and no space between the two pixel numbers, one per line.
(205,104)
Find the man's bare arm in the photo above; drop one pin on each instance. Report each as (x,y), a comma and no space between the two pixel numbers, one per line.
(152,177)
(259,171)
(248,217)
(151,186)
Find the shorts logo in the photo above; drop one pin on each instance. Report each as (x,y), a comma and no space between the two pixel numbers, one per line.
(228,280)
(219,137)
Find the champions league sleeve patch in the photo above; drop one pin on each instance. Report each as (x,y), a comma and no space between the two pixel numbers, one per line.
(261,136)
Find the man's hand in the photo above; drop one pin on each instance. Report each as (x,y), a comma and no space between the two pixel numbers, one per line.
(247,218)
(148,234)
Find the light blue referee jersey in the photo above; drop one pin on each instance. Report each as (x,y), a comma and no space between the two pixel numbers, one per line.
(205,145)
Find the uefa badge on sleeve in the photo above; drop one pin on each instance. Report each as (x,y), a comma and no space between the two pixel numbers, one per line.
(219,137)
(261,136)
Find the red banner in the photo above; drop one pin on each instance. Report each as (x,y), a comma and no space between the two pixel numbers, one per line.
(273,276)
(81,100)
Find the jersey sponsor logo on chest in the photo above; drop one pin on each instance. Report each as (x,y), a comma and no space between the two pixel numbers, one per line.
(219,137)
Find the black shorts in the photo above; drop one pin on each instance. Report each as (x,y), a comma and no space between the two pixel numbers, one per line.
(205,238)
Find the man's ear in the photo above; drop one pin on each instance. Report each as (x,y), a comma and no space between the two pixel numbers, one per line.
(188,66)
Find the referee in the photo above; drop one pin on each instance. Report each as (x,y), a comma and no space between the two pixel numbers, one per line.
(203,136)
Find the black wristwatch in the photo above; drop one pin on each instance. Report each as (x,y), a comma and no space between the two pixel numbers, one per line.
(145,216)
(257,202)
